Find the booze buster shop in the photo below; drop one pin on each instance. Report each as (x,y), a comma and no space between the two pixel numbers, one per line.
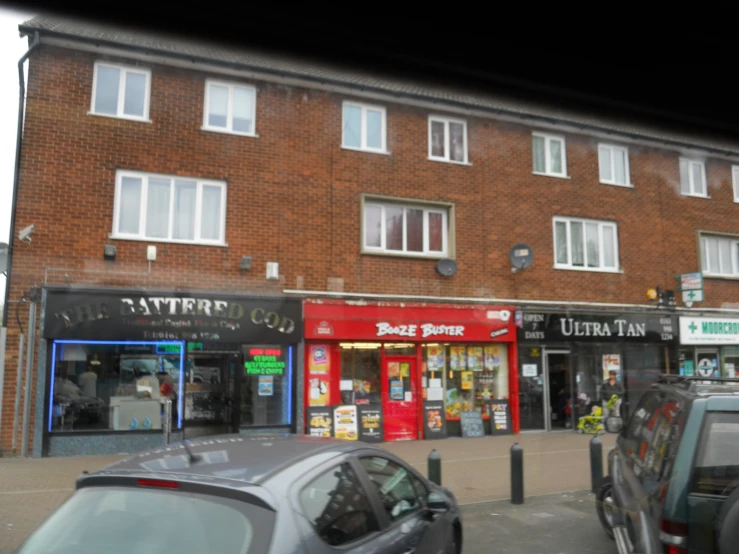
(417,366)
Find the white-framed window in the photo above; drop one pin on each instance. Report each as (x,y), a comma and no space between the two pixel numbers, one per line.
(230,108)
(550,155)
(166,208)
(693,178)
(364,127)
(121,91)
(735,180)
(720,255)
(404,228)
(447,139)
(585,244)
(613,163)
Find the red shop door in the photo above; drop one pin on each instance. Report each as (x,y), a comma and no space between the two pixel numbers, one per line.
(400,398)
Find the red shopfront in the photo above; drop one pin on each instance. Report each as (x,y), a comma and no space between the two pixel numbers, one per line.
(403,357)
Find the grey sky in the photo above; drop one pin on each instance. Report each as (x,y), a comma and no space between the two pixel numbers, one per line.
(12,48)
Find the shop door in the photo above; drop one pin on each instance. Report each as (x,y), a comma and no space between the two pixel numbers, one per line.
(400,398)
(558,391)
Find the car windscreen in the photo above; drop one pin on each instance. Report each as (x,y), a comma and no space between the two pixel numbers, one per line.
(125,520)
(716,469)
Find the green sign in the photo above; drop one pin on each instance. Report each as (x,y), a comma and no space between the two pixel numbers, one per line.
(194,346)
(169,348)
(264,361)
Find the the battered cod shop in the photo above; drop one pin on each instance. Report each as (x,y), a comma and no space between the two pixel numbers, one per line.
(407,371)
(112,357)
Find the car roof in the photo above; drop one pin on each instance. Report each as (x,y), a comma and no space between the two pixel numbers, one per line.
(246,459)
(696,387)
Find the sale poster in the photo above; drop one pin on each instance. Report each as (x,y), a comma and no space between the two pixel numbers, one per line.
(466,380)
(492,358)
(319,359)
(474,358)
(457,358)
(435,358)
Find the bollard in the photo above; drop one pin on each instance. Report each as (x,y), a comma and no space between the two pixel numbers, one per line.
(516,474)
(435,467)
(596,464)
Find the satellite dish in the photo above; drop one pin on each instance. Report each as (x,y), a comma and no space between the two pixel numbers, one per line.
(521,256)
(446,267)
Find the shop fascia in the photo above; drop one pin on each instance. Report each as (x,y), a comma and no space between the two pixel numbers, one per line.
(707,330)
(554,326)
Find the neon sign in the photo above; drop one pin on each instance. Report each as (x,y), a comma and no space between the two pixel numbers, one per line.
(264,361)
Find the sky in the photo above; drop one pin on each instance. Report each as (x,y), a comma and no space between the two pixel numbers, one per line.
(12,47)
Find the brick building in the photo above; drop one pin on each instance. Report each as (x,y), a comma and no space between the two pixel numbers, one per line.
(299,189)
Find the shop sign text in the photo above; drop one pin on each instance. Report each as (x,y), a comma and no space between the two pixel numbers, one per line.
(426,330)
(623,328)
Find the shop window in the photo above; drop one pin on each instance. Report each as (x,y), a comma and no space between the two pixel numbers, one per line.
(360,373)
(265,389)
(97,386)
(465,376)
(730,356)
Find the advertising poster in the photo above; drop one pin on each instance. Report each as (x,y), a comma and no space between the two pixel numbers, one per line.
(435,358)
(318,391)
(466,380)
(474,358)
(266,385)
(319,359)
(492,358)
(396,390)
(457,358)
(434,420)
(500,417)
(345,423)
(320,421)
(370,423)
(393,370)
(611,362)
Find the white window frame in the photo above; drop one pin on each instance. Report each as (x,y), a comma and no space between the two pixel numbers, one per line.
(363,127)
(228,129)
(141,235)
(447,140)
(427,209)
(705,256)
(601,250)
(612,148)
(124,69)
(735,181)
(548,138)
(691,162)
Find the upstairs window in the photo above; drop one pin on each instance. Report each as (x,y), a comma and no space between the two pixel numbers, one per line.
(585,244)
(720,255)
(735,179)
(549,155)
(230,108)
(614,165)
(693,178)
(447,140)
(364,127)
(119,91)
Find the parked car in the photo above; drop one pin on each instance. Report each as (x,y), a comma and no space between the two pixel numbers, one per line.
(673,476)
(254,495)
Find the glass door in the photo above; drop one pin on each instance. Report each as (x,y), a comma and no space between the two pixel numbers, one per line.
(558,391)
(400,398)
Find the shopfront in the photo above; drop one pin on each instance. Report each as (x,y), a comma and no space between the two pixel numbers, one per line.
(565,358)
(227,364)
(414,368)
(709,346)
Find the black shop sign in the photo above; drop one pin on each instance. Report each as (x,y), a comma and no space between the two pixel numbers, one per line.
(151,316)
(320,421)
(434,420)
(500,417)
(370,423)
(567,327)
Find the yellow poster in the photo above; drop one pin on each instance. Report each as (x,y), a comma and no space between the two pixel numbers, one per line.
(474,358)
(318,363)
(318,392)
(435,358)
(405,370)
(466,380)
(457,358)
(393,370)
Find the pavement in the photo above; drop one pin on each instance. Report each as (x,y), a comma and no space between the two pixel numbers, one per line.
(477,470)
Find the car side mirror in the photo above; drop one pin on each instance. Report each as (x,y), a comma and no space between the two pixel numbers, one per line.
(438,503)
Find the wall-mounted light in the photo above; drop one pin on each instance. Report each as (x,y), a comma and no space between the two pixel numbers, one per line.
(109,252)
(245,263)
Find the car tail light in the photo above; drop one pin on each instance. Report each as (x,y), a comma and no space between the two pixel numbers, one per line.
(158,483)
(674,537)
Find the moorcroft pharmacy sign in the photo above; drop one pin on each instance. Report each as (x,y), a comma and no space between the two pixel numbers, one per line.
(708,330)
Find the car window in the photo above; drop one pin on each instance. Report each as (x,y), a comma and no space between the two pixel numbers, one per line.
(124,520)
(645,432)
(338,506)
(716,469)
(394,486)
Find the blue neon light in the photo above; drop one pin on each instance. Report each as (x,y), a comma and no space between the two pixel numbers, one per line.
(289,385)
(182,384)
(51,393)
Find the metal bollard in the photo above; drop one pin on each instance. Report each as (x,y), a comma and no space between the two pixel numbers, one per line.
(516,474)
(596,464)
(434,461)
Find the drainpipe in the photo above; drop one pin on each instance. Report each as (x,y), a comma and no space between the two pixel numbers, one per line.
(19,139)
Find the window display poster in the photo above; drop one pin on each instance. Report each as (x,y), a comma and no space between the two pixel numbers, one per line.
(530,370)
(320,421)
(405,370)
(611,362)
(319,359)
(393,370)
(266,385)
(435,358)
(457,358)
(345,423)
(492,358)
(434,420)
(730,370)
(474,358)
(370,423)
(688,368)
(396,390)
(318,392)
(466,380)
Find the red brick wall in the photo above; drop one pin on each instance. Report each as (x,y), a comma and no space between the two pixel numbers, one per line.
(293,197)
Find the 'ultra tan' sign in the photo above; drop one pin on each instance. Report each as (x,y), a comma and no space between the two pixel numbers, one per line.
(560,327)
(125,315)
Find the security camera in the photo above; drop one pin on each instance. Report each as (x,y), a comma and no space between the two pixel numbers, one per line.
(25,234)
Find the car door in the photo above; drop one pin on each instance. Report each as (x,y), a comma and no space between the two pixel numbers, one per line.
(410,527)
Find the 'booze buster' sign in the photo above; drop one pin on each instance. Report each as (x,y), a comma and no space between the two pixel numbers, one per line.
(425,330)
(409,331)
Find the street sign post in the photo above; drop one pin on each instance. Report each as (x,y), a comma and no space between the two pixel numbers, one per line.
(692,296)
(691,286)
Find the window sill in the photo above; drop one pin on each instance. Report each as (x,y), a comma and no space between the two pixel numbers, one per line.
(365,150)
(588,269)
(169,241)
(551,175)
(703,196)
(123,117)
(721,277)
(442,160)
(227,132)
(628,186)
(406,255)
